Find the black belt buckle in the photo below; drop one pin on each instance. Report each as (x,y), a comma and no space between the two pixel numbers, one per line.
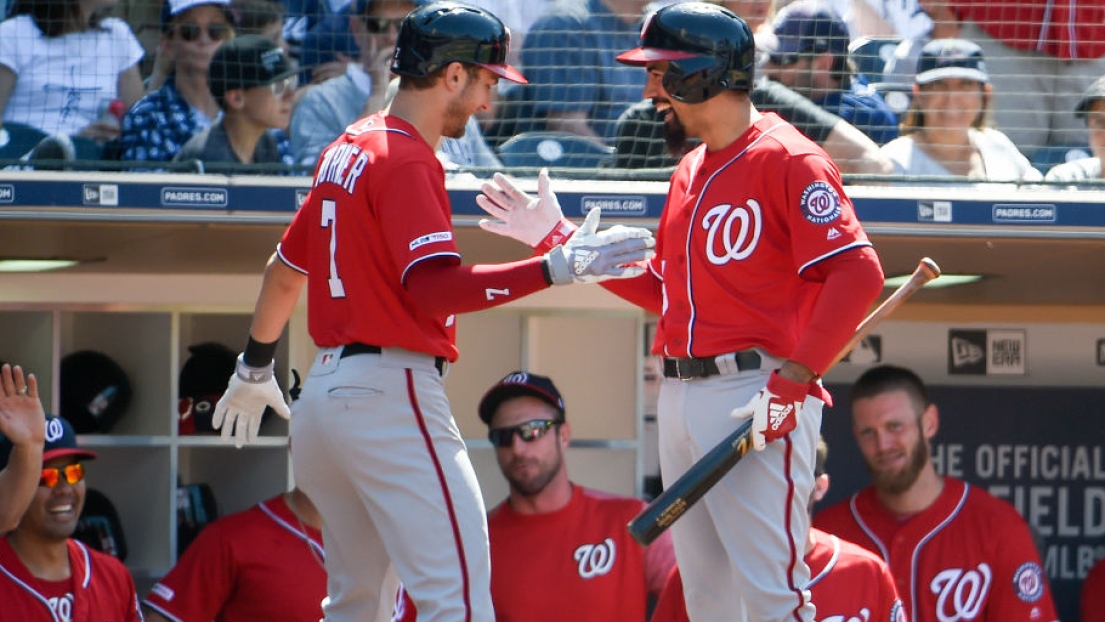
(364,348)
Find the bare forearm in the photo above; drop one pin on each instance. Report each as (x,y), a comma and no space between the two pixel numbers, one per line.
(279,294)
(854,152)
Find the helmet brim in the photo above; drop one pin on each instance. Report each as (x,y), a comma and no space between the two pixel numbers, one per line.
(642,55)
(505,71)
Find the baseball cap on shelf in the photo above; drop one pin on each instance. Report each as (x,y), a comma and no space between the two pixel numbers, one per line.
(951,58)
(806,27)
(248,61)
(94,391)
(203,379)
(517,384)
(172,8)
(1093,93)
(61,441)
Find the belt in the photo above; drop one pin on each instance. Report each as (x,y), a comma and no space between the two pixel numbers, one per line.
(363,348)
(685,369)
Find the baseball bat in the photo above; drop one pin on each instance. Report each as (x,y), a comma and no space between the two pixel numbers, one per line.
(673,502)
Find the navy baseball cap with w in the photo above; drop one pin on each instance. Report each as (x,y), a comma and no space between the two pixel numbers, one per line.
(61,441)
(517,384)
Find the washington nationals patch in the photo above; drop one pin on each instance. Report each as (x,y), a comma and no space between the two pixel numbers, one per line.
(1028,581)
(820,203)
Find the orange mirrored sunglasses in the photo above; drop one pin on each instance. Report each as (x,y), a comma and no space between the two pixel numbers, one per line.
(52,476)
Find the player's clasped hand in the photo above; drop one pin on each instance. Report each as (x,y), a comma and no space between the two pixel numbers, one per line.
(239,410)
(590,256)
(774,410)
(519,215)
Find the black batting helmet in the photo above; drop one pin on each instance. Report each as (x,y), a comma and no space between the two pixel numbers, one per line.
(440,33)
(709,48)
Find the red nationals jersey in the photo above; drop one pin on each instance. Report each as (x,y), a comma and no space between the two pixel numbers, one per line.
(377,207)
(1093,594)
(253,566)
(577,564)
(99,589)
(740,222)
(847,583)
(969,556)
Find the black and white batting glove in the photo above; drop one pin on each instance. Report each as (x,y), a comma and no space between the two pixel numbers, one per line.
(249,391)
(532,220)
(590,256)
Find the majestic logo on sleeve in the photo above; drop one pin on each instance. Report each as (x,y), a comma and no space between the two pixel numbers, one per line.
(595,560)
(960,593)
(1028,582)
(864,616)
(733,232)
(820,203)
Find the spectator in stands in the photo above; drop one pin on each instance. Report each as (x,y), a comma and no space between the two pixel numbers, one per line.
(254,82)
(575,84)
(1091,110)
(63,65)
(946,130)
(330,46)
(325,109)
(809,53)
(261,17)
(161,122)
(1041,57)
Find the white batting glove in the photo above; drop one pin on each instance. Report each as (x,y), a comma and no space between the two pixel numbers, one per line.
(591,257)
(774,410)
(239,410)
(518,215)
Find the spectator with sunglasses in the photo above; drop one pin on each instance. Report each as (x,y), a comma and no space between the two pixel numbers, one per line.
(333,44)
(21,425)
(45,574)
(254,83)
(808,52)
(156,128)
(550,531)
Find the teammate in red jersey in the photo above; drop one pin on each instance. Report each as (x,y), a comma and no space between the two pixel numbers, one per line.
(956,552)
(847,584)
(22,422)
(376,446)
(761,275)
(44,573)
(1092,603)
(261,565)
(551,531)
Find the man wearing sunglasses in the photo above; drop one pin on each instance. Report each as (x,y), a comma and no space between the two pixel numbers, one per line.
(44,573)
(254,83)
(552,532)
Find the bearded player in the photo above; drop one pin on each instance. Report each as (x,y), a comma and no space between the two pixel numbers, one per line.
(376,446)
(761,274)
(956,552)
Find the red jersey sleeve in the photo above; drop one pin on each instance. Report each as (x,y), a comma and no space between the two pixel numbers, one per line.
(1093,594)
(200,582)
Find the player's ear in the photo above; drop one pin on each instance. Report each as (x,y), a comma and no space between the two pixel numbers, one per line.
(930,421)
(565,434)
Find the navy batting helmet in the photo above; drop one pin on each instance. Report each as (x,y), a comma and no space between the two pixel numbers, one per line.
(709,48)
(434,35)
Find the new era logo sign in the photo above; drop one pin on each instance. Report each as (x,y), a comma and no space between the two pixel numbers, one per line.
(991,352)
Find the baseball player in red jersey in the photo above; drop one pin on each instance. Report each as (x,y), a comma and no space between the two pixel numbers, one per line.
(22,422)
(44,573)
(956,552)
(761,274)
(1092,604)
(847,583)
(376,447)
(261,565)
(552,532)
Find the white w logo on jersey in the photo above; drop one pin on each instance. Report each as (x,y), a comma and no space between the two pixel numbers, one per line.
(960,592)
(735,229)
(595,560)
